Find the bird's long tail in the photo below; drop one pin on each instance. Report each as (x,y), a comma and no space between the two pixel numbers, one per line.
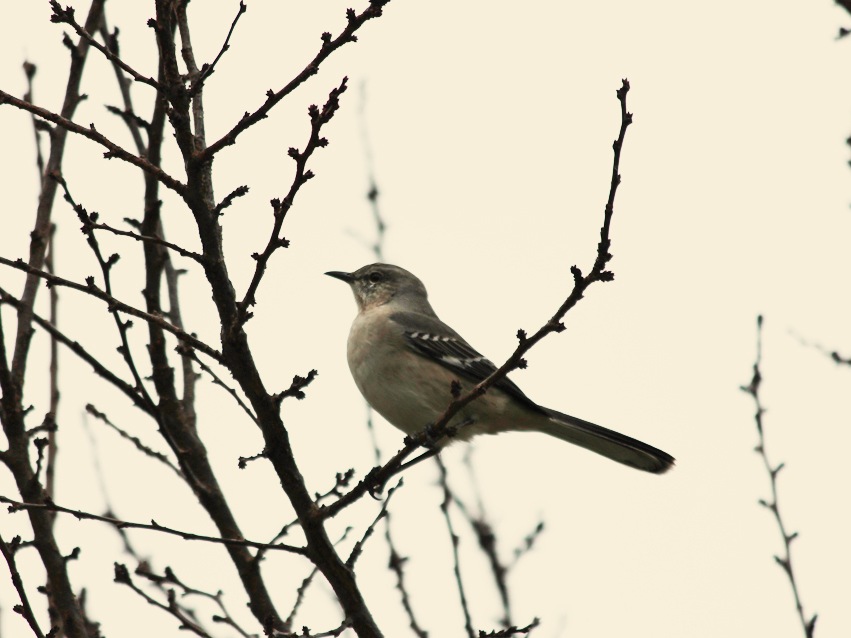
(611,444)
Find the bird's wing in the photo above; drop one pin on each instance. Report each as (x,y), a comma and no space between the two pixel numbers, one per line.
(431,338)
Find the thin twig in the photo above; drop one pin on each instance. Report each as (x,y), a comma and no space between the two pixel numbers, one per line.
(296,387)
(122,575)
(94,291)
(189,352)
(281,207)
(511,631)
(444,507)
(302,590)
(134,123)
(305,633)
(24,608)
(357,550)
(239,191)
(487,543)
(49,505)
(159,456)
(355,21)
(155,240)
(833,354)
(66,16)
(113,150)
(208,69)
(785,562)
(142,567)
(527,544)
(30,71)
(106,270)
(77,349)
(342,480)
(171,578)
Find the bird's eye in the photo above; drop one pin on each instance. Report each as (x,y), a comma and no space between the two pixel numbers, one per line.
(376,277)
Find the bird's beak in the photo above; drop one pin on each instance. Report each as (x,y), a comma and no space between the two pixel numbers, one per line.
(342,276)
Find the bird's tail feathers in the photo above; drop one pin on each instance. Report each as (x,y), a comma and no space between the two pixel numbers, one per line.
(611,444)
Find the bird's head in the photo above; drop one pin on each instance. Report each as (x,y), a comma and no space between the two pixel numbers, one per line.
(379,284)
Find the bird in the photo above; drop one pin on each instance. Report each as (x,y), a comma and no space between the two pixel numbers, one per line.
(405,360)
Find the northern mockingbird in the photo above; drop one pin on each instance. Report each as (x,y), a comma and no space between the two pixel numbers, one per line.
(404,360)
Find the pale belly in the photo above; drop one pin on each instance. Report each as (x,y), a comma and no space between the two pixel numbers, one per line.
(412,392)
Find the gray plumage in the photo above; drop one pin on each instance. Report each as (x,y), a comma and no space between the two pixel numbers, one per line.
(403,360)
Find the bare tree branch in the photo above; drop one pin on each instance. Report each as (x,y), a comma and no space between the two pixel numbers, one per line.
(144,449)
(511,631)
(453,537)
(94,291)
(207,70)
(317,120)
(61,597)
(355,21)
(66,16)
(357,550)
(49,505)
(785,562)
(24,608)
(77,349)
(113,150)
(122,575)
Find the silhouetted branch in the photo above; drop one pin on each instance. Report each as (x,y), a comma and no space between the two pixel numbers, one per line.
(208,69)
(70,620)
(296,387)
(134,123)
(239,191)
(317,120)
(170,578)
(66,16)
(357,550)
(511,631)
(189,352)
(302,589)
(30,71)
(77,349)
(785,562)
(90,222)
(444,507)
(355,21)
(49,505)
(159,456)
(91,289)
(113,150)
(122,576)
(24,608)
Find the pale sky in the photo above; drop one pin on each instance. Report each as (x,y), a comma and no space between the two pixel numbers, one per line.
(490,126)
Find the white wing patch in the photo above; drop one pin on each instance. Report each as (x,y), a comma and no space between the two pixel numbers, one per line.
(451,351)
(428,338)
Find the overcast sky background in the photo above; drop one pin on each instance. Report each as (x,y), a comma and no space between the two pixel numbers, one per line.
(490,126)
